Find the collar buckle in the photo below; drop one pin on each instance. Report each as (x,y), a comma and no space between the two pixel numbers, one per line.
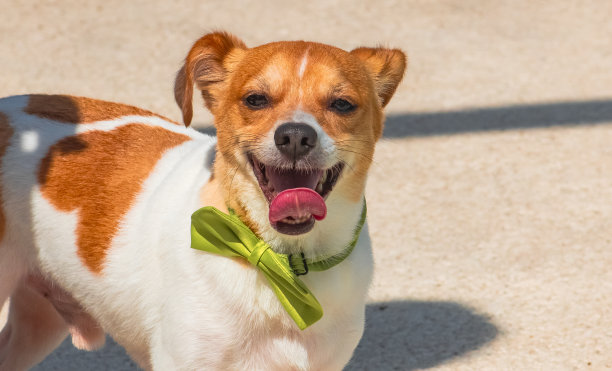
(298,266)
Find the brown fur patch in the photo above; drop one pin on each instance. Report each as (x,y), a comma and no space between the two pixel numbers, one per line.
(99,174)
(80,110)
(6,131)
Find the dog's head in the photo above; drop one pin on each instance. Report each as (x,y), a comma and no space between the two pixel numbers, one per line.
(297,117)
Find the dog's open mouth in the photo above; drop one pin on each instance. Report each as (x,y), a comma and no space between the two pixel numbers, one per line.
(296,196)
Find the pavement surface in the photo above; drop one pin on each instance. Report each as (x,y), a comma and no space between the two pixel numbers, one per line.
(490,199)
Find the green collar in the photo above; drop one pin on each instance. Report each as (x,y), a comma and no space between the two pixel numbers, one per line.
(219,233)
(302,266)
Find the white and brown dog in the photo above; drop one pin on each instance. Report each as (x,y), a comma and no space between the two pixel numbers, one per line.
(97,197)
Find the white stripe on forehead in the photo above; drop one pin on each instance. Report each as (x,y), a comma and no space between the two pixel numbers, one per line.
(303,65)
(301,71)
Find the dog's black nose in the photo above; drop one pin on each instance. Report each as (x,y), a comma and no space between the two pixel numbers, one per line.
(295,140)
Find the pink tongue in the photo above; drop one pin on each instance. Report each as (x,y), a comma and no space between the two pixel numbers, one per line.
(297,203)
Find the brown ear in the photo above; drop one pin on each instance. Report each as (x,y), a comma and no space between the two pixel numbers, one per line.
(207,65)
(387,68)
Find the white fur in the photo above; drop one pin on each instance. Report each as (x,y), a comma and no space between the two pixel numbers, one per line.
(170,306)
(29,141)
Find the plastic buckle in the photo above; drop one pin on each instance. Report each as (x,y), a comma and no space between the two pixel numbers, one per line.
(298,273)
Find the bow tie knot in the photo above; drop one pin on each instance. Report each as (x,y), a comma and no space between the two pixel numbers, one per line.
(260,248)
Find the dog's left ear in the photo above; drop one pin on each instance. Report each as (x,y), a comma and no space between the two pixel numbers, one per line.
(207,65)
(386,67)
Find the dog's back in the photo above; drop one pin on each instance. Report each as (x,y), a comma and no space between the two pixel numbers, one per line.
(74,171)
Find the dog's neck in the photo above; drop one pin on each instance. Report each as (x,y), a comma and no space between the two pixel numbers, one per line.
(211,194)
(215,192)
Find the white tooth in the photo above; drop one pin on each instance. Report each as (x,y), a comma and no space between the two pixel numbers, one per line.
(324,177)
(319,187)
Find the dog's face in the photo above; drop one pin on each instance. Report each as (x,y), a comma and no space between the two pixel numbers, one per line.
(297,117)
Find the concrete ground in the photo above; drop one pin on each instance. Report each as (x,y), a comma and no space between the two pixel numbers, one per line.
(491,194)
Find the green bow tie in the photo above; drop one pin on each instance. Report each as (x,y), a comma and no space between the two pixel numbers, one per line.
(219,233)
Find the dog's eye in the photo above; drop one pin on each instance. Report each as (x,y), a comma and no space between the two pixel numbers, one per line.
(342,106)
(256,101)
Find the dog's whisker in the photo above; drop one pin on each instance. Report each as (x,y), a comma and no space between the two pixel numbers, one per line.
(357,153)
(353,140)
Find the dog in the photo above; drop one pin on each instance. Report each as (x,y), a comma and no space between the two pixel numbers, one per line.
(97,199)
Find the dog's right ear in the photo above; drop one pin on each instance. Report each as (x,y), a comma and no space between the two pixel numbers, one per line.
(207,65)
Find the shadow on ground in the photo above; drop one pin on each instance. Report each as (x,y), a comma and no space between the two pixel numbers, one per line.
(409,335)
(527,116)
(402,335)
(68,358)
